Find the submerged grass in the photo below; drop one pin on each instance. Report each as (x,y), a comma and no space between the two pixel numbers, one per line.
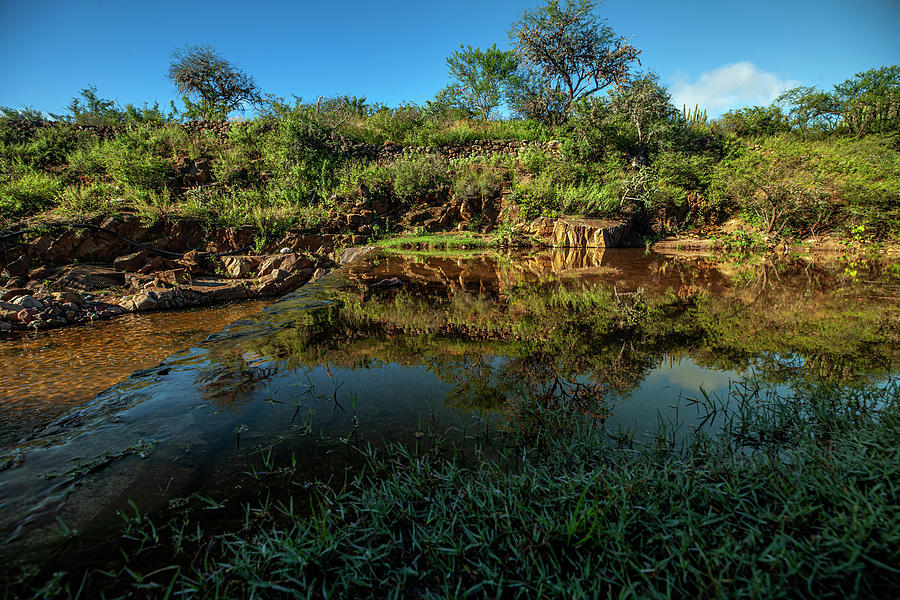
(790,496)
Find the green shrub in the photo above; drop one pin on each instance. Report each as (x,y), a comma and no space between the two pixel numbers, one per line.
(754,121)
(418,176)
(87,159)
(46,147)
(378,179)
(590,199)
(87,200)
(26,192)
(399,123)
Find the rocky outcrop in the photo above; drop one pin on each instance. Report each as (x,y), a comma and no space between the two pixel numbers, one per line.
(571,232)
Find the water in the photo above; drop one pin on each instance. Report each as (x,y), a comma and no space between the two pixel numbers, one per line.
(49,372)
(292,394)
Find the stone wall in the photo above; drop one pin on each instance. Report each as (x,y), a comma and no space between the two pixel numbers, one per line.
(374,152)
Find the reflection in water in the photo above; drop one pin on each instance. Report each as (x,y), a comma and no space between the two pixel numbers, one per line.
(618,336)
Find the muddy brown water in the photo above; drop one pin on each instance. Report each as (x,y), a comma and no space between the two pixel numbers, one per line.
(201,402)
(49,372)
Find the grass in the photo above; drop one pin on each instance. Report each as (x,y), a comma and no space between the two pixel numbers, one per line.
(438,241)
(791,496)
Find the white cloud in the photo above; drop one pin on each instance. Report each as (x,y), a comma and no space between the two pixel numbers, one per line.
(729,86)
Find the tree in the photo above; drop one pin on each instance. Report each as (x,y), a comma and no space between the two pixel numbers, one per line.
(568,53)
(754,121)
(870,102)
(481,77)
(645,104)
(810,108)
(212,86)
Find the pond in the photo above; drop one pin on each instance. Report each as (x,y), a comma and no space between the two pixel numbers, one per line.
(413,349)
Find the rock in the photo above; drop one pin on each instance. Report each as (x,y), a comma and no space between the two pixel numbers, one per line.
(194,262)
(68,298)
(86,277)
(42,272)
(154,264)
(131,262)
(294,262)
(589,233)
(28,302)
(285,250)
(541,227)
(224,293)
(18,267)
(144,302)
(4,326)
(240,266)
(269,264)
(174,276)
(25,316)
(9,294)
(349,255)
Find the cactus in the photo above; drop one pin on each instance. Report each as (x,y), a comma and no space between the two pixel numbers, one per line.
(691,117)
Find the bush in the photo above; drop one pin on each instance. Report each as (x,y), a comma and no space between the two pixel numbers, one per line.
(377,179)
(301,152)
(420,176)
(590,199)
(754,121)
(131,162)
(399,123)
(779,185)
(27,191)
(45,147)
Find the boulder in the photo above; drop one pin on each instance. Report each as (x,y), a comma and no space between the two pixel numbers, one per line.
(174,276)
(240,266)
(131,262)
(589,233)
(18,267)
(194,262)
(144,301)
(542,227)
(28,302)
(8,294)
(40,273)
(68,297)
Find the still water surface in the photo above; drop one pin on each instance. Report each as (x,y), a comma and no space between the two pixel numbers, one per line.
(624,337)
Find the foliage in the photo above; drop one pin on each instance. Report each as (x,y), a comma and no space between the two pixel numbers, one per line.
(25,191)
(810,109)
(644,103)
(778,185)
(133,160)
(754,121)
(480,77)
(212,86)
(567,53)
(420,176)
(92,109)
(870,101)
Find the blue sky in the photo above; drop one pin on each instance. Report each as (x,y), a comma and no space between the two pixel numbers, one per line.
(720,54)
